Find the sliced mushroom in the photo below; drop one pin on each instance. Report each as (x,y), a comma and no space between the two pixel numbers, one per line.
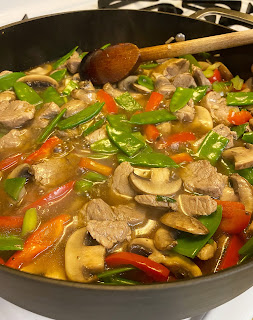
(242,157)
(147,229)
(228,194)
(244,190)
(164,239)
(208,251)
(159,183)
(38,80)
(180,221)
(82,262)
(127,83)
(22,171)
(43,70)
(141,88)
(203,120)
(142,245)
(225,72)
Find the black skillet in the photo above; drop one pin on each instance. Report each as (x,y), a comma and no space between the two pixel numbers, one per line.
(31,43)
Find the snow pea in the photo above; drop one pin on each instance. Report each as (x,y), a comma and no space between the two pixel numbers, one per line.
(247,248)
(239,98)
(50,127)
(199,93)
(227,167)
(7,80)
(212,146)
(70,87)
(14,186)
(152,117)
(59,74)
(148,65)
(146,82)
(112,272)
(94,176)
(81,117)
(125,141)
(222,86)
(83,186)
(63,59)
(30,221)
(240,129)
(83,54)
(247,174)
(104,146)
(191,59)
(26,93)
(105,46)
(119,121)
(189,245)
(180,98)
(148,158)
(97,125)
(248,137)
(127,102)
(52,95)
(11,242)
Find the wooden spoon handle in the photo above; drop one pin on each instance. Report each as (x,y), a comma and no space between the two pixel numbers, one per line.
(223,41)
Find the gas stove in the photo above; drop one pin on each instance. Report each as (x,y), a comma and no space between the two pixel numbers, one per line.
(240,308)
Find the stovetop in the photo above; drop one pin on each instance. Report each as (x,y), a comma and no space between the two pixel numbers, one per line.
(240,308)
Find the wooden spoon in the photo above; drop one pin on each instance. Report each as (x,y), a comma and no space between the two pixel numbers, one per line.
(118,61)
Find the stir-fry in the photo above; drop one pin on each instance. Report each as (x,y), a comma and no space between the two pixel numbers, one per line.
(143,181)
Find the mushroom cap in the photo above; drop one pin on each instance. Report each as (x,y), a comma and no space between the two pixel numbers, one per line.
(39,80)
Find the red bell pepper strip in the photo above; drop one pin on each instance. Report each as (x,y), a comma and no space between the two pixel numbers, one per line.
(234,217)
(239,117)
(95,166)
(153,269)
(181,157)
(2,261)
(180,138)
(11,222)
(216,76)
(52,196)
(151,132)
(154,101)
(231,256)
(39,241)
(10,162)
(44,151)
(110,105)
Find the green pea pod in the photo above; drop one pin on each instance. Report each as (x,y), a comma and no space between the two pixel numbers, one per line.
(63,59)
(30,221)
(94,176)
(50,127)
(189,245)
(239,98)
(59,74)
(139,136)
(248,137)
(227,167)
(222,86)
(70,87)
(7,80)
(121,282)
(147,158)
(212,146)
(237,83)
(52,95)
(104,146)
(97,125)
(125,141)
(247,248)
(11,243)
(199,93)
(191,59)
(26,93)
(14,186)
(82,55)
(247,174)
(81,117)
(119,121)
(112,272)
(105,46)
(152,117)
(146,82)
(165,199)
(127,102)
(180,98)
(148,66)
(83,186)
(240,129)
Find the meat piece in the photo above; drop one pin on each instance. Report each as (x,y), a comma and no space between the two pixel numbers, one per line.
(187,113)
(7,95)
(73,63)
(53,172)
(208,251)
(120,183)
(180,221)
(130,213)
(164,86)
(73,106)
(97,135)
(217,106)
(112,91)
(243,157)
(14,140)
(97,209)
(201,177)
(196,205)
(184,80)
(14,114)
(175,67)
(108,233)
(199,77)
(86,93)
(46,113)
(228,194)
(244,190)
(164,239)
(150,200)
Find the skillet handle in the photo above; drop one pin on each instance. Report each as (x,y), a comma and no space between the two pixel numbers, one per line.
(236,15)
